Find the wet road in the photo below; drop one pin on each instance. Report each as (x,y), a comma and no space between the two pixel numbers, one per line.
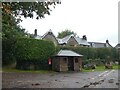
(99,79)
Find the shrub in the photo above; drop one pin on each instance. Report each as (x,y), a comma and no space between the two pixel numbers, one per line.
(98,55)
(33,53)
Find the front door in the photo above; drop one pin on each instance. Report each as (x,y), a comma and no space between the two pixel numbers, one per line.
(70,64)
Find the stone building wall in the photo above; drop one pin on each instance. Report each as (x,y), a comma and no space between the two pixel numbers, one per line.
(77,63)
(72,42)
(63,64)
(55,64)
(51,38)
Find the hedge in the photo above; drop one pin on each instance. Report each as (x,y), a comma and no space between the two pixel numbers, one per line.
(8,49)
(33,53)
(99,54)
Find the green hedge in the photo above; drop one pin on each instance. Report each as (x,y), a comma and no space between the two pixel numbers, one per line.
(99,54)
(8,50)
(33,53)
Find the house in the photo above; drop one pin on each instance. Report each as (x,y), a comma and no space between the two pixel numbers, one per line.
(47,36)
(100,45)
(51,37)
(118,46)
(36,36)
(71,40)
(67,60)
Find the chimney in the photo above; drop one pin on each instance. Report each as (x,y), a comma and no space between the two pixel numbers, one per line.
(84,37)
(35,32)
(107,41)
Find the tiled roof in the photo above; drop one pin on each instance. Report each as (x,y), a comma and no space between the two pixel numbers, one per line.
(46,33)
(118,45)
(68,53)
(99,45)
(60,41)
(51,33)
(38,37)
(80,41)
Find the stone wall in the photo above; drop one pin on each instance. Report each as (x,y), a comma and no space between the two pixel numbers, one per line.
(72,42)
(51,38)
(77,63)
(63,64)
(55,64)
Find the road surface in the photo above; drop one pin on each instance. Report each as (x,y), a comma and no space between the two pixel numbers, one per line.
(97,79)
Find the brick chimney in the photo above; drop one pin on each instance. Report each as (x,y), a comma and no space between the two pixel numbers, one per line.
(35,32)
(107,41)
(84,37)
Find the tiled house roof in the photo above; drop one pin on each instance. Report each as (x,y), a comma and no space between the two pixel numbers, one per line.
(79,40)
(65,39)
(99,45)
(117,46)
(72,40)
(38,37)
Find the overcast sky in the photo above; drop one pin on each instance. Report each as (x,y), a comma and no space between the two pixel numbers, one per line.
(97,19)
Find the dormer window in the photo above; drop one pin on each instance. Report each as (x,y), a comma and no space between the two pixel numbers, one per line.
(50,33)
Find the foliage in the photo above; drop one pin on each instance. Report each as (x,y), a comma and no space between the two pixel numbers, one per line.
(101,68)
(65,33)
(10,33)
(11,16)
(33,52)
(95,54)
(28,9)
(26,71)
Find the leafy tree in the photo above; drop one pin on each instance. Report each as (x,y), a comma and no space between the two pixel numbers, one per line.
(10,33)
(28,9)
(65,33)
(11,16)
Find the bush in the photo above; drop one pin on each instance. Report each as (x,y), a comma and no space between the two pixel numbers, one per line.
(98,55)
(33,53)
(8,49)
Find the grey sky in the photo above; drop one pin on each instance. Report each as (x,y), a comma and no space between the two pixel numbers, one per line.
(97,19)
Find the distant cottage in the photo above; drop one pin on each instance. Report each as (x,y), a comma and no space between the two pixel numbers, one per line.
(71,40)
(100,45)
(118,47)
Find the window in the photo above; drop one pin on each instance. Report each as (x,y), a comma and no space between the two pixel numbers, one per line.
(76,60)
(50,33)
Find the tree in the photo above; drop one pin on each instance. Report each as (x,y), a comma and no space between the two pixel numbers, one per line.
(27,9)
(65,33)
(12,11)
(11,17)
(10,33)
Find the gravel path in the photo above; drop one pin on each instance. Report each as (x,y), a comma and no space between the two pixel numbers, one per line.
(100,79)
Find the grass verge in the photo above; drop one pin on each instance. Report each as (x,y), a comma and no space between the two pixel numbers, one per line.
(98,68)
(101,68)
(26,71)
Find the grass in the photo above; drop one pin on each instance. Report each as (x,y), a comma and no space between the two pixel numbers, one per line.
(101,68)
(26,71)
(98,68)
